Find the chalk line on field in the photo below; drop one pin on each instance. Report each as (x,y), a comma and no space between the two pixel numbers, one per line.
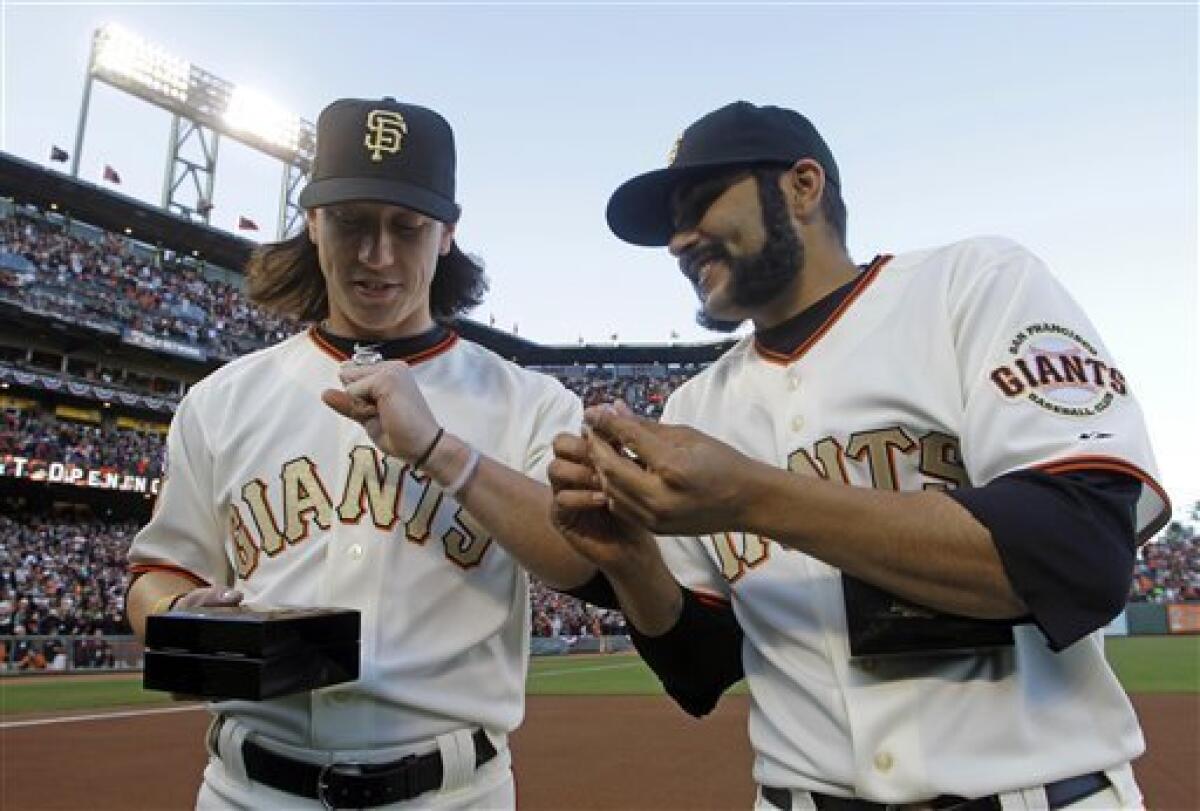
(37,722)
(568,671)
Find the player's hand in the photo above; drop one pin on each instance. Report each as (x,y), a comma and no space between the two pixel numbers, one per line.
(385,399)
(205,596)
(209,596)
(580,510)
(668,478)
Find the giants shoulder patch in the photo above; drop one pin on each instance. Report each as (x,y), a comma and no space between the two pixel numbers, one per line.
(1057,369)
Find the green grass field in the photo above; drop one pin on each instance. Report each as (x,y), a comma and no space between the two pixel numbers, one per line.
(1144,665)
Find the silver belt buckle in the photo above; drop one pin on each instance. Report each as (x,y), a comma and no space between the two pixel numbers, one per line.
(351,769)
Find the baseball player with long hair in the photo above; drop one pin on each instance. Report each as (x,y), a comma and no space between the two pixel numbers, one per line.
(421,510)
(903,508)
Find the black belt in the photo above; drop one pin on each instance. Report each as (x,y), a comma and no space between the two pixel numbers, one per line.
(1059,794)
(354,785)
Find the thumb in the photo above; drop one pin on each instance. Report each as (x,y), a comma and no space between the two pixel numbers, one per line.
(339,401)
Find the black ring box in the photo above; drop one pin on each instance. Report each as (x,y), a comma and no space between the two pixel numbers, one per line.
(224,652)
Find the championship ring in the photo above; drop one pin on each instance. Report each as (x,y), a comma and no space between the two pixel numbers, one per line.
(366,355)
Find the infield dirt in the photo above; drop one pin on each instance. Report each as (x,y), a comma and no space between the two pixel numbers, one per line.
(616,752)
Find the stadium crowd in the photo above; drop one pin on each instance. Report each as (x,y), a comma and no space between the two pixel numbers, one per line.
(108,449)
(1168,569)
(555,615)
(62,578)
(107,280)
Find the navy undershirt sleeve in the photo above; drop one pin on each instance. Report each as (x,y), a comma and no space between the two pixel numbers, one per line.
(698,659)
(1067,543)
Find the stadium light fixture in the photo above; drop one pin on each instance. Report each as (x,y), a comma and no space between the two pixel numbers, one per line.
(204,107)
(128,61)
(252,113)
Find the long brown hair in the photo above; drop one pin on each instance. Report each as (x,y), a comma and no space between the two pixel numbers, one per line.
(285,277)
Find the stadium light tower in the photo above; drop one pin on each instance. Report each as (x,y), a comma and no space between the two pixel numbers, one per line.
(204,107)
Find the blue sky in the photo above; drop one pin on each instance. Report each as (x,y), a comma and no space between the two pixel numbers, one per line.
(1071,128)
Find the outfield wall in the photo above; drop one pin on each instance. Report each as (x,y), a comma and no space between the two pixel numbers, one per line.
(90,654)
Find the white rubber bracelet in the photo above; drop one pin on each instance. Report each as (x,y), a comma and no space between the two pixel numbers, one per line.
(464,475)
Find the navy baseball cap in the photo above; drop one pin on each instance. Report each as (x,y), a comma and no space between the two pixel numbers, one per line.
(737,135)
(384,151)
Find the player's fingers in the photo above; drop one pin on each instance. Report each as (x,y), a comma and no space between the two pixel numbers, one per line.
(364,395)
(209,595)
(617,471)
(350,371)
(638,435)
(339,401)
(374,428)
(565,475)
(347,405)
(571,447)
(629,511)
(580,500)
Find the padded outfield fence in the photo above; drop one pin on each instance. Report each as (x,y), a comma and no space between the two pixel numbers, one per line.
(33,655)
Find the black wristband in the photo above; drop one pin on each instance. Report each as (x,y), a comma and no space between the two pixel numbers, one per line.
(423,458)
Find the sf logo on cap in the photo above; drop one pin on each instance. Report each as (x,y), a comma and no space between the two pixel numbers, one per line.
(385,130)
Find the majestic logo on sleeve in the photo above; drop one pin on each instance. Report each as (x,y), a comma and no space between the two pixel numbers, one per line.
(1055,368)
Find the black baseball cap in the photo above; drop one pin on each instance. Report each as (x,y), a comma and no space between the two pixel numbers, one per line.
(384,151)
(738,134)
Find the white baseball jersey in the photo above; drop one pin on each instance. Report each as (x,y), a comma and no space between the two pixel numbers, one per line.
(270,491)
(942,368)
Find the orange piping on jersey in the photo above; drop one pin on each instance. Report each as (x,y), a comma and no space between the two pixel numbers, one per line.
(340,356)
(709,599)
(433,351)
(1112,464)
(146,568)
(867,277)
(326,347)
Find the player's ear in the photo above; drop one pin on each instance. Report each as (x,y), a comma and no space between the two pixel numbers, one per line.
(448,229)
(803,184)
(310,221)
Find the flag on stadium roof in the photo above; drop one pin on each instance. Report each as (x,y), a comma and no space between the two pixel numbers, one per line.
(110,174)
(58,155)
(247,224)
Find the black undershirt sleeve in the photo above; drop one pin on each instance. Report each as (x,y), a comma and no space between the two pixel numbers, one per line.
(698,659)
(597,591)
(1067,543)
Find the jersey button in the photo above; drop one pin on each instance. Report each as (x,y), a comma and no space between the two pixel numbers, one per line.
(884,761)
(797,423)
(793,381)
(355,552)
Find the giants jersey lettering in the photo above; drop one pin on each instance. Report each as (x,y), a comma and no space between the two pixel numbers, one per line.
(272,492)
(942,369)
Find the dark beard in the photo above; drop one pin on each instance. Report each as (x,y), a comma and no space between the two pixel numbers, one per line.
(756,280)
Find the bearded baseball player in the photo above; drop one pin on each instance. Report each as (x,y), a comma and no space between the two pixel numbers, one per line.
(903,508)
(418,511)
